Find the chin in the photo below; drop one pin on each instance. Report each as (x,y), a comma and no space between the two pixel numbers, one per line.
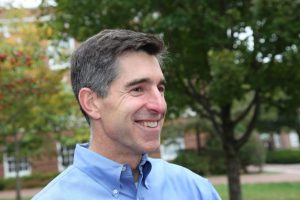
(151,148)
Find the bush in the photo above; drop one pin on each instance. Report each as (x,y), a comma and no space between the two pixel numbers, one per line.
(191,160)
(252,153)
(2,185)
(216,161)
(283,156)
(36,180)
(212,159)
(7,184)
(205,163)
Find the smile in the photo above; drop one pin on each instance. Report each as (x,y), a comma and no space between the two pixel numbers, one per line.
(149,124)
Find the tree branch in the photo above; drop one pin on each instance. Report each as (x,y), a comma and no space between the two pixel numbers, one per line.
(201,99)
(251,125)
(246,111)
(207,113)
(200,111)
(211,114)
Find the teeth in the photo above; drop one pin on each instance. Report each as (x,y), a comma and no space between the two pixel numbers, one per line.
(150,124)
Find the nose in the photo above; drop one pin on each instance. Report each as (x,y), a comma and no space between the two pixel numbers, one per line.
(156,102)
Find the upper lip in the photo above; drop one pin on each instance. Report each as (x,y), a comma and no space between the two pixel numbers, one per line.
(152,119)
(149,120)
(148,116)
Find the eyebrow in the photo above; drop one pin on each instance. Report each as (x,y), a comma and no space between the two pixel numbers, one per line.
(143,80)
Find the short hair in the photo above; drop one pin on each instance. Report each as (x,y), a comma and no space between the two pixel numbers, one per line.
(94,63)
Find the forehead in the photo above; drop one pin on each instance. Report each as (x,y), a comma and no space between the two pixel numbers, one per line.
(137,65)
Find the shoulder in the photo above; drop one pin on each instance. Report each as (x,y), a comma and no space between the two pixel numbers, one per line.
(59,185)
(173,170)
(182,180)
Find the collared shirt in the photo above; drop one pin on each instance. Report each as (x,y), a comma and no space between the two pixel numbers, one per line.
(93,176)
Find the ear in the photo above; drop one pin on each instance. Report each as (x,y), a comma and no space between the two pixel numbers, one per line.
(89,102)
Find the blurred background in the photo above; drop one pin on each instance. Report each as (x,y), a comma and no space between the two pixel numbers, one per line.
(233,94)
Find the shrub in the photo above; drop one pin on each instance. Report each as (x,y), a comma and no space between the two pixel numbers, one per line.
(216,161)
(36,180)
(212,159)
(204,163)
(283,156)
(191,160)
(252,153)
(2,185)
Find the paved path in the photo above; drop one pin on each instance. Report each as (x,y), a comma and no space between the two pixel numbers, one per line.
(271,174)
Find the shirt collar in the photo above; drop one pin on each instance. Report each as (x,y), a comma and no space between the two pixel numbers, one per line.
(144,169)
(101,168)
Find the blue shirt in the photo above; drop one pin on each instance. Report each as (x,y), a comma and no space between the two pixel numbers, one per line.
(93,176)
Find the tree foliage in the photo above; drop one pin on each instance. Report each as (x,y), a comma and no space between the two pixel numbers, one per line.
(227,57)
(34,100)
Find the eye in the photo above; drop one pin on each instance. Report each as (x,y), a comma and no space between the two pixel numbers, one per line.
(161,88)
(137,91)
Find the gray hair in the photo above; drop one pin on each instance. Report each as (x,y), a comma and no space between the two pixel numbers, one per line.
(94,63)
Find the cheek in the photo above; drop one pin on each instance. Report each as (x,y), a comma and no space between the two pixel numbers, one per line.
(132,105)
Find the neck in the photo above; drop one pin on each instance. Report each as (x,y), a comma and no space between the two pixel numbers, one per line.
(104,146)
(132,160)
(136,174)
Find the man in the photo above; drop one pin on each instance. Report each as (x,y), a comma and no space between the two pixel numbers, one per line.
(118,82)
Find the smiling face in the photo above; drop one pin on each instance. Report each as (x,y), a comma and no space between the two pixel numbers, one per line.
(133,112)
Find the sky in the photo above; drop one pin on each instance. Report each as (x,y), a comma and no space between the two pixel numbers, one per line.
(21,3)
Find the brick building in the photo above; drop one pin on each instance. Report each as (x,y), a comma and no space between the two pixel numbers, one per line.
(53,160)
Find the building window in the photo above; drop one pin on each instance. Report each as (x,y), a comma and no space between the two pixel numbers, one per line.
(10,166)
(65,155)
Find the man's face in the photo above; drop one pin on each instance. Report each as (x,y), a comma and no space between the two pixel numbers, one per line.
(132,114)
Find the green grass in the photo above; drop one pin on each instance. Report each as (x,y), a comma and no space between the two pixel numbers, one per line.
(264,191)
(268,191)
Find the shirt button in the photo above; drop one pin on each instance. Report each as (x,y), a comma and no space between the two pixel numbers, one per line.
(124,168)
(115,193)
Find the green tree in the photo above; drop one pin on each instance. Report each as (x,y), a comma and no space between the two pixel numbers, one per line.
(33,102)
(227,57)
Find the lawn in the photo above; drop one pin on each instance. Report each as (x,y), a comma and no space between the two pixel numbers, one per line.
(268,191)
